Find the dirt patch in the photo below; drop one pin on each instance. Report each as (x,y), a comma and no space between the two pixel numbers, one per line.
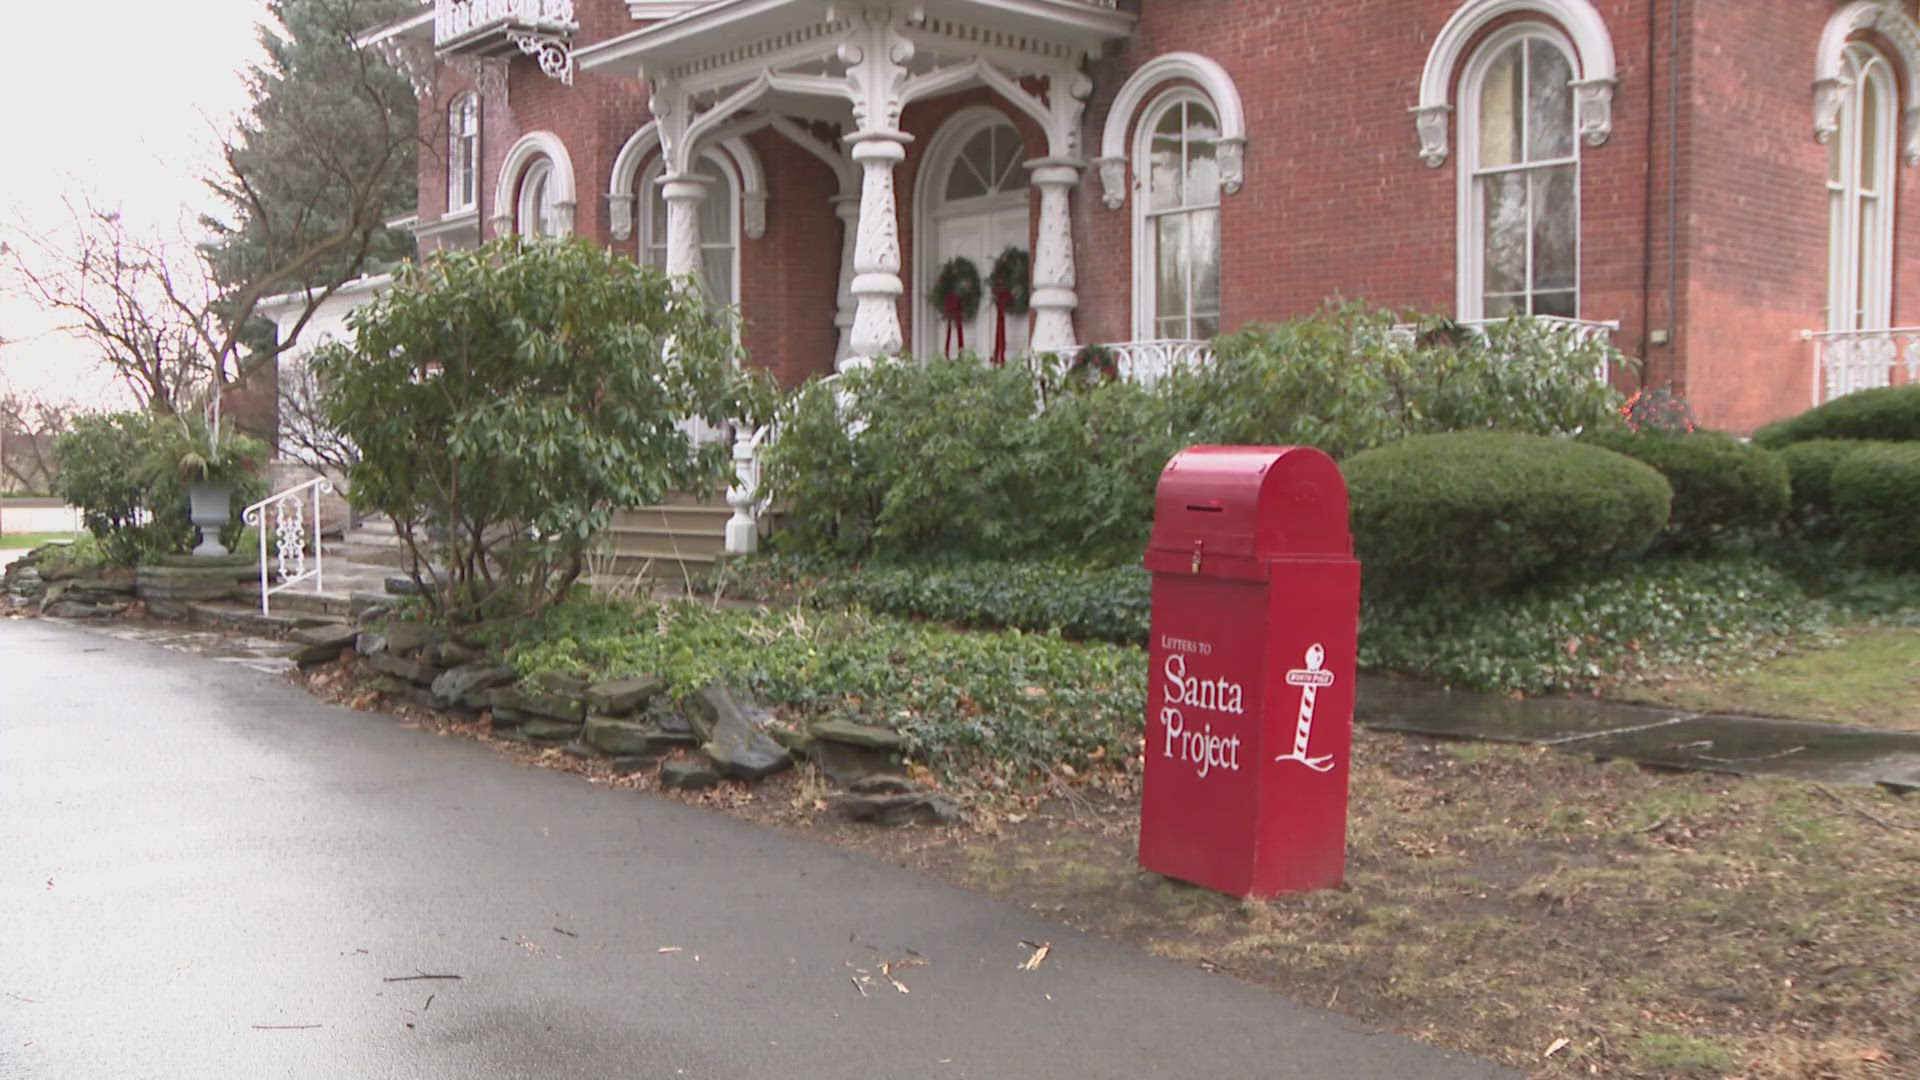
(1566,917)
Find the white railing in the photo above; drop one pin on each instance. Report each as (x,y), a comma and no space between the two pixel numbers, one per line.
(457,18)
(1849,360)
(1146,362)
(290,536)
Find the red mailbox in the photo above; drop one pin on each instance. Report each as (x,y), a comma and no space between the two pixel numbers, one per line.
(1250,692)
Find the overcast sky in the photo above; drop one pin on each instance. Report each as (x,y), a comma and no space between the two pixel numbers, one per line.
(129,111)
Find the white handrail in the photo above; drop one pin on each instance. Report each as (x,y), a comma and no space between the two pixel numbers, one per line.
(290,537)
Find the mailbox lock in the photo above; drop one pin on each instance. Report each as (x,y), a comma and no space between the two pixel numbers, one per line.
(1196,555)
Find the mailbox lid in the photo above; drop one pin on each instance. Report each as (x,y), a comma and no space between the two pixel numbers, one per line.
(1248,503)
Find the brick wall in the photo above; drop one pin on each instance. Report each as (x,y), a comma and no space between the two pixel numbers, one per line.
(1719,242)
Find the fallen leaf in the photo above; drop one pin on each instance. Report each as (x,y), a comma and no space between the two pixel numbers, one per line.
(668,948)
(1557,1046)
(887,970)
(1040,951)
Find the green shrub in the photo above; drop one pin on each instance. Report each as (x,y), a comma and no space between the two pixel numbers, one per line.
(132,512)
(1721,486)
(1890,413)
(958,457)
(1810,467)
(1007,706)
(1079,602)
(1594,630)
(1876,502)
(1483,511)
(1347,379)
(504,401)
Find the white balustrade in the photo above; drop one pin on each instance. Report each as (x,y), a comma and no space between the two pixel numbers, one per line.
(457,18)
(286,517)
(1146,362)
(1848,360)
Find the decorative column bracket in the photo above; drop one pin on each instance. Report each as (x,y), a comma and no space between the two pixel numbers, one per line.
(553,51)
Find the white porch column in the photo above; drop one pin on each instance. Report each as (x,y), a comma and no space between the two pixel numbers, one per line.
(876,285)
(683,195)
(847,208)
(1054,276)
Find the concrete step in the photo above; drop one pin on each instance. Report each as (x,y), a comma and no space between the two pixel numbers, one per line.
(245,618)
(336,606)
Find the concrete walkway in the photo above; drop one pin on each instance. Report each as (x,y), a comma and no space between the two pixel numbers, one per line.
(210,873)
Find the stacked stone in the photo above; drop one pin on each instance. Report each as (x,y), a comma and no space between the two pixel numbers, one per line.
(180,580)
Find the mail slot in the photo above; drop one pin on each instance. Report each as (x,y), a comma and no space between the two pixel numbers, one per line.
(1250,685)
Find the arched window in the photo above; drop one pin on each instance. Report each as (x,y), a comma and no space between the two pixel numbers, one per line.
(1177,218)
(1188,144)
(1860,194)
(463,153)
(535,214)
(1519,177)
(719,225)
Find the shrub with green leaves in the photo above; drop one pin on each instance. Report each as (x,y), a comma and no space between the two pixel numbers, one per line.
(1888,413)
(132,511)
(1011,706)
(1096,603)
(511,397)
(960,458)
(1810,467)
(1483,511)
(1722,487)
(1876,502)
(1347,379)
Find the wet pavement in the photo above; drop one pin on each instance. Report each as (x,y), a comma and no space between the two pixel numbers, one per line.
(208,873)
(1671,738)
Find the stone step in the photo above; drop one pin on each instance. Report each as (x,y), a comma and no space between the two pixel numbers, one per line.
(245,618)
(298,600)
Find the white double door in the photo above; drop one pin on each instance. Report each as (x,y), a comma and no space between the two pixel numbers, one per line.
(980,233)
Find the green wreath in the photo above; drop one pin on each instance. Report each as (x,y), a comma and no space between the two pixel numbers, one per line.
(957,287)
(1013,273)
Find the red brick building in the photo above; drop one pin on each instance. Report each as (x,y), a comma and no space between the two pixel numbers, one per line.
(1710,181)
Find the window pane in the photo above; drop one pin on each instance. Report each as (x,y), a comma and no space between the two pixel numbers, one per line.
(716,210)
(1166,162)
(657,205)
(1204,236)
(1500,114)
(1498,307)
(1170,286)
(1203,172)
(1549,102)
(1555,303)
(717,264)
(1504,232)
(1556,228)
(1204,326)
(1869,114)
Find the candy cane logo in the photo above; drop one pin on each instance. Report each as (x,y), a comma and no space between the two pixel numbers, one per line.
(1309,679)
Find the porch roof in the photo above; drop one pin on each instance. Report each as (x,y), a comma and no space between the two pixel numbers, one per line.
(720,38)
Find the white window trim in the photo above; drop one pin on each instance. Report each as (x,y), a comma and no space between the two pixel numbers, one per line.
(1223,97)
(455,137)
(535,214)
(1146,277)
(649,182)
(1593,67)
(531,148)
(1846,238)
(623,189)
(1830,83)
(1470,271)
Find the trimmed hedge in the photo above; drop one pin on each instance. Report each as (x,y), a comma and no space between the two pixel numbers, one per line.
(1720,484)
(1876,501)
(1810,468)
(1483,511)
(1890,413)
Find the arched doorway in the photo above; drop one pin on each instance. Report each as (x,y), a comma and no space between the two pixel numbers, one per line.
(973,202)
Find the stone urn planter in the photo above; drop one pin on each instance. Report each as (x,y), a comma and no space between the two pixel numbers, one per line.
(208,505)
